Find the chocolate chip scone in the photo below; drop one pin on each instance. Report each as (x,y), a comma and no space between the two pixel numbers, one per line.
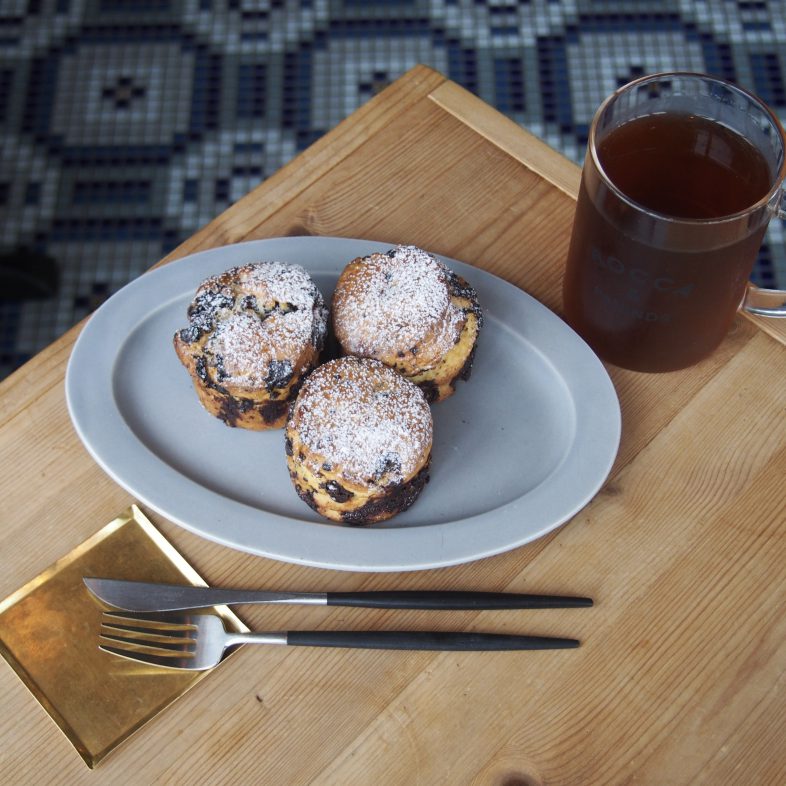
(358,441)
(410,311)
(254,332)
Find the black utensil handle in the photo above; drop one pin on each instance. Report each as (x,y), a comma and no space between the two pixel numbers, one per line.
(412,599)
(424,640)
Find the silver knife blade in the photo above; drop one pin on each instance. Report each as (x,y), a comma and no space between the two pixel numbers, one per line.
(147,596)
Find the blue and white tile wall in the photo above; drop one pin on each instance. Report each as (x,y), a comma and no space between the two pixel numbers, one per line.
(125,125)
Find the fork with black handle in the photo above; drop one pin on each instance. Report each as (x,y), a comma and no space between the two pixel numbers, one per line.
(199,641)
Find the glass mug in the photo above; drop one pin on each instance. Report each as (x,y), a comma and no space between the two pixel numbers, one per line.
(683,173)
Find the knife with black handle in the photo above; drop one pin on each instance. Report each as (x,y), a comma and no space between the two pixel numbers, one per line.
(146,596)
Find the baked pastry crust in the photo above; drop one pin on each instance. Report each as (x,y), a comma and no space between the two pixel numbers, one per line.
(254,332)
(410,311)
(358,441)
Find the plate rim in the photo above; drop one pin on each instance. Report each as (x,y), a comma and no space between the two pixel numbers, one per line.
(322,537)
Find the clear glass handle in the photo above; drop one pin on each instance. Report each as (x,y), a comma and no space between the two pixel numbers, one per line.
(767,302)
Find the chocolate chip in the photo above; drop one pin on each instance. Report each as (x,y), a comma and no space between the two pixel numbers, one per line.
(430,390)
(201,368)
(389,462)
(466,369)
(190,334)
(233,407)
(221,372)
(271,411)
(203,310)
(337,492)
(279,374)
(319,330)
(460,288)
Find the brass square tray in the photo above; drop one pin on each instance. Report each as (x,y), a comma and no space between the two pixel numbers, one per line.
(49,636)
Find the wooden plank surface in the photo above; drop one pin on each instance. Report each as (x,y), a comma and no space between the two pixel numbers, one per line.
(680,677)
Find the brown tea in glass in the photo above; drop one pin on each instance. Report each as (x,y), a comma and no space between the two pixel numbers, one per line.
(683,173)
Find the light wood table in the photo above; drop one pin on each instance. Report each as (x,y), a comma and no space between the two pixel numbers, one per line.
(680,679)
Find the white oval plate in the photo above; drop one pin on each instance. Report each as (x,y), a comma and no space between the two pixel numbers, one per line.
(519,449)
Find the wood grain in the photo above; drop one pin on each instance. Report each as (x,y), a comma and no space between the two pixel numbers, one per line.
(680,677)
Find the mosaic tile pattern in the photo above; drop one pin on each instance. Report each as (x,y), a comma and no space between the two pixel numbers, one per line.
(125,125)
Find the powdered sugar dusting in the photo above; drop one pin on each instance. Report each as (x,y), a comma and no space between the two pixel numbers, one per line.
(261,313)
(394,302)
(282,282)
(364,420)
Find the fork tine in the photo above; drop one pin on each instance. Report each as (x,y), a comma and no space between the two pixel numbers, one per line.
(158,622)
(167,661)
(145,632)
(145,640)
